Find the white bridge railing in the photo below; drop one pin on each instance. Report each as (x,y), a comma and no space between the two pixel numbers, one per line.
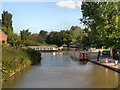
(43,48)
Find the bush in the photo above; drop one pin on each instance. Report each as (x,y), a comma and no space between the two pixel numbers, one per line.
(3,41)
(16,59)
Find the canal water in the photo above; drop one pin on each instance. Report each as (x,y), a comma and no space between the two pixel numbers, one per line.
(58,70)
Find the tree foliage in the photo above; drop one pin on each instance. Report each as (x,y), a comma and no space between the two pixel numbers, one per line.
(0,22)
(6,23)
(42,36)
(60,38)
(80,36)
(43,33)
(34,39)
(102,20)
(52,38)
(12,38)
(25,34)
(7,20)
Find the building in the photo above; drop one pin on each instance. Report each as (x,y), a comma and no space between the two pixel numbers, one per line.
(3,36)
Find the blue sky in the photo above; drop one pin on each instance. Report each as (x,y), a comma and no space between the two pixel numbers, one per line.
(36,16)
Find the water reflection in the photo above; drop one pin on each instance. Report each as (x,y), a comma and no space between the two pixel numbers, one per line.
(79,61)
(14,79)
(106,72)
(52,53)
(83,62)
(55,59)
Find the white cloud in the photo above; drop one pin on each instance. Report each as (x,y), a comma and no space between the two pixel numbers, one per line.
(79,4)
(67,4)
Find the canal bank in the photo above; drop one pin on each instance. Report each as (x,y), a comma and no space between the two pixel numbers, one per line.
(107,61)
(17,59)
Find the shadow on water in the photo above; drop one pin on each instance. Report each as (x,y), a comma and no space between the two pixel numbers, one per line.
(83,62)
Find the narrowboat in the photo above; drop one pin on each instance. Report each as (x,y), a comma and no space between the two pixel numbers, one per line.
(82,56)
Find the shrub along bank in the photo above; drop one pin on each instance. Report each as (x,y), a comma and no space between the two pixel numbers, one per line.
(16,59)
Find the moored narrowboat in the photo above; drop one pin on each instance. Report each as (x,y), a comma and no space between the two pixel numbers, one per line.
(79,55)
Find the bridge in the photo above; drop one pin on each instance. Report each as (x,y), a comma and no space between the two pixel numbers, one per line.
(44,48)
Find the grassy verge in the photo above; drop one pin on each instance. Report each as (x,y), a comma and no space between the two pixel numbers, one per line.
(96,50)
(16,59)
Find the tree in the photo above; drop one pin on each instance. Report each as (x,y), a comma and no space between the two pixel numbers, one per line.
(74,28)
(86,41)
(7,20)
(36,38)
(0,23)
(41,39)
(13,39)
(79,36)
(60,38)
(52,38)
(69,37)
(25,34)
(102,19)
(29,39)
(43,33)
(42,36)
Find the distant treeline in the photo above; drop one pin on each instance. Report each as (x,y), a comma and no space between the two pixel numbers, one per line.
(101,19)
(75,35)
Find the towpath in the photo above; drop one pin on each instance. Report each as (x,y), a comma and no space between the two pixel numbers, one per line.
(102,61)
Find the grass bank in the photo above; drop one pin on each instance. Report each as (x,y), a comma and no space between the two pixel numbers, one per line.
(97,50)
(16,59)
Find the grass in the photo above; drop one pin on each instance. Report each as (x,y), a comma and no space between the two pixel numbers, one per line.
(14,60)
(96,50)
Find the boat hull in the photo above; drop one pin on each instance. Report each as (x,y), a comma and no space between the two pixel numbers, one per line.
(81,56)
(80,59)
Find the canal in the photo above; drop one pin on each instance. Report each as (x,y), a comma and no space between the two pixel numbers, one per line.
(58,70)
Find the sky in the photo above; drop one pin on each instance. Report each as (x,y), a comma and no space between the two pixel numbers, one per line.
(50,16)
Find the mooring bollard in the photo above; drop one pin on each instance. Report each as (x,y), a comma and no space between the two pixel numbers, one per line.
(116,62)
(106,60)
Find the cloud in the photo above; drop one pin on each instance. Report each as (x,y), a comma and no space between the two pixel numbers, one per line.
(67,4)
(79,4)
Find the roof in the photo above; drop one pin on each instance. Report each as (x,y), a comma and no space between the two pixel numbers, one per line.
(3,32)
